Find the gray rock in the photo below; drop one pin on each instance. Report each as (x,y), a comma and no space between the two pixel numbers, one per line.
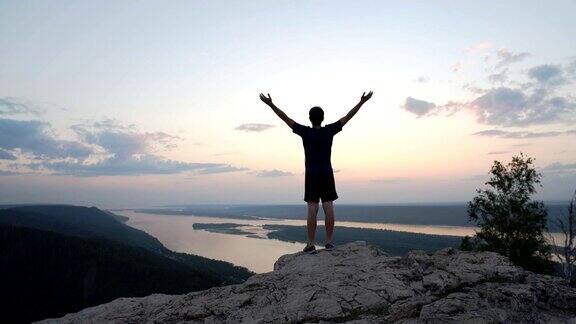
(358,283)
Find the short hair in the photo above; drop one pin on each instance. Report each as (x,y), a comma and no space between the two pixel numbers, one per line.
(316,116)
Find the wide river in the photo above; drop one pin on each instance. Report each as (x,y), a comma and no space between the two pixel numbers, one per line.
(256,253)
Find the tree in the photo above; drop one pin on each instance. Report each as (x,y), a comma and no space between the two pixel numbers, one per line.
(567,252)
(466,244)
(509,221)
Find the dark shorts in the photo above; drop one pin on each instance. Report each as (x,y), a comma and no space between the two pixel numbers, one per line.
(319,185)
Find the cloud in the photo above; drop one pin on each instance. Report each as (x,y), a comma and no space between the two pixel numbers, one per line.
(571,69)
(521,134)
(505,57)
(37,139)
(499,77)
(123,141)
(521,144)
(498,106)
(477,177)
(391,180)
(271,173)
(105,148)
(221,168)
(547,74)
(560,168)
(473,89)
(497,152)
(225,153)
(8,173)
(129,152)
(514,107)
(418,107)
(136,165)
(109,124)
(12,106)
(121,145)
(543,100)
(5,155)
(479,47)
(254,127)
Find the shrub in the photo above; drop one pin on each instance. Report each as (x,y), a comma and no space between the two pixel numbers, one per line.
(509,221)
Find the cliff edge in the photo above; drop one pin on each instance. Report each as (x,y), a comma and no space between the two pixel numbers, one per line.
(359,283)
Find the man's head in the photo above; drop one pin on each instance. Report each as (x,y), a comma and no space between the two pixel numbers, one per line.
(316,116)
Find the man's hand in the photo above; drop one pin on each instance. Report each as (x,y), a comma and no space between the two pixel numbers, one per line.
(365,97)
(266,100)
(277,111)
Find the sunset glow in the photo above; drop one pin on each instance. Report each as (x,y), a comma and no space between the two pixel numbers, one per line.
(143,103)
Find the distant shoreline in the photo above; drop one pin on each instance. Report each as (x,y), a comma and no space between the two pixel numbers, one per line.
(393,242)
(425,215)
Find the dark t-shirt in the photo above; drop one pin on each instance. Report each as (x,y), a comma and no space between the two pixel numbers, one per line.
(317,145)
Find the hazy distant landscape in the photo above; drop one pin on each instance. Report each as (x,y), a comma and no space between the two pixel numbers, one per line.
(442,214)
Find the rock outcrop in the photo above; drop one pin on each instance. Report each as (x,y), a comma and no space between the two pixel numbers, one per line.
(359,283)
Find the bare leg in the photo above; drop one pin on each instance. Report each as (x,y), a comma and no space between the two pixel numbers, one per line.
(328,207)
(312,212)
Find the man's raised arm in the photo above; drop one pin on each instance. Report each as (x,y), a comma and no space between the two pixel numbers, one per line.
(353,111)
(280,113)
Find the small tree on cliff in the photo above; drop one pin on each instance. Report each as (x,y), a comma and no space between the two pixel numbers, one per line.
(510,222)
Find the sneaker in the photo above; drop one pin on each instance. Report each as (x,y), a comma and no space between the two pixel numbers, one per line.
(309,248)
(329,246)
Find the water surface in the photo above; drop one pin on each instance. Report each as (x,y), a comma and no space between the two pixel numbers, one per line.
(257,252)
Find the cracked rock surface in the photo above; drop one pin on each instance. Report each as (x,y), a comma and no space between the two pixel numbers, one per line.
(359,283)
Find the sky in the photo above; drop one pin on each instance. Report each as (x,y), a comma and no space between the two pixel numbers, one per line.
(148,103)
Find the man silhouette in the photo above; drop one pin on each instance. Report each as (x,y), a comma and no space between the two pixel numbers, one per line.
(319,179)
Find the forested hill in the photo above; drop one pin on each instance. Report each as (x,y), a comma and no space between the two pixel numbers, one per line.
(59,259)
(86,222)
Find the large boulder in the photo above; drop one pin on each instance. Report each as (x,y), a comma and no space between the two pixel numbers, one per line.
(359,283)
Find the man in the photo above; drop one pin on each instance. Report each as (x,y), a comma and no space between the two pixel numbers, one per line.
(319,180)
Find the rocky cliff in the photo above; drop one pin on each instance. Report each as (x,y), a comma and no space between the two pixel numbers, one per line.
(357,282)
